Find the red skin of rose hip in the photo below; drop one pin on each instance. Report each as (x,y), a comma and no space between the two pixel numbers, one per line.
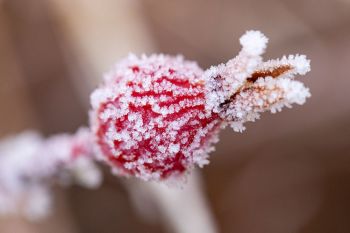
(150,120)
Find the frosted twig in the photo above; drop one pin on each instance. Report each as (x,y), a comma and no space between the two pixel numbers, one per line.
(30,165)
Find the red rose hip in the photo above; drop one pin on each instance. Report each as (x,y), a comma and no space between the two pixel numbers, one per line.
(150,119)
(156,117)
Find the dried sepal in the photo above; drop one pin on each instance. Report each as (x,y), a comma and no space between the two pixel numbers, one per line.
(258,86)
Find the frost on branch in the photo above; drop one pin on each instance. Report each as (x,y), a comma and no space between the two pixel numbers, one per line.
(246,86)
(30,165)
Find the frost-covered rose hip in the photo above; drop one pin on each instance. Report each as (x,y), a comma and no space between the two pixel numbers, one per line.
(150,118)
(156,117)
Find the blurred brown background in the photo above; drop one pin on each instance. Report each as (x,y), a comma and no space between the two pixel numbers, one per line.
(288,172)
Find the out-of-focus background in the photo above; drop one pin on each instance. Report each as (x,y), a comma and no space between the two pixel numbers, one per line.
(288,172)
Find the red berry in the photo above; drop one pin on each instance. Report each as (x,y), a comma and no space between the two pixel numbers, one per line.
(149,117)
(156,117)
